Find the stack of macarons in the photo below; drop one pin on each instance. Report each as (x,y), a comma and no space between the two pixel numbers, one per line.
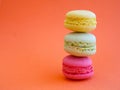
(80,44)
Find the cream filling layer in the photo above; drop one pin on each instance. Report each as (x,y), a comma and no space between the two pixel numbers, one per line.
(77,69)
(80,48)
(79,44)
(81,21)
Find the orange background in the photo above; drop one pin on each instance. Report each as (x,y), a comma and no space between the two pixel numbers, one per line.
(31,45)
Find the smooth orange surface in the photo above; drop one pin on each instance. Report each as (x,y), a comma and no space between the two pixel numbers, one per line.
(31,45)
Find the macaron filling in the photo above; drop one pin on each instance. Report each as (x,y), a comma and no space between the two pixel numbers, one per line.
(81,45)
(81,21)
(77,69)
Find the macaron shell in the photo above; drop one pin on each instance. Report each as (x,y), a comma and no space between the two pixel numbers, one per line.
(76,61)
(80,37)
(80,13)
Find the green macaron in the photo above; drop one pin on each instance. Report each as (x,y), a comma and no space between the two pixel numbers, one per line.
(80,44)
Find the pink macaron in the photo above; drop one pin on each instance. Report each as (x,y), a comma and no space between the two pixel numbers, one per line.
(77,68)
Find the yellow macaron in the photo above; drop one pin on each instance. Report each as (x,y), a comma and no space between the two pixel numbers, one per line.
(80,21)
